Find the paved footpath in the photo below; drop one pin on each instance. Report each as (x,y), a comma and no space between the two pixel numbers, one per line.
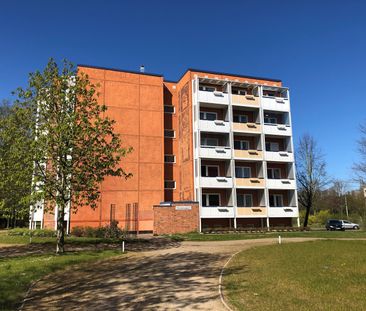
(180,278)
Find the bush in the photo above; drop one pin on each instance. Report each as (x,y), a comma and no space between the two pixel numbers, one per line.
(111,231)
(36,232)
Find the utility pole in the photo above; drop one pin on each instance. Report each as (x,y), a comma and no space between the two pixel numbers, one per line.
(345,203)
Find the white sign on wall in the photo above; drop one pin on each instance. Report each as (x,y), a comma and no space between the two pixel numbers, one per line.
(183,208)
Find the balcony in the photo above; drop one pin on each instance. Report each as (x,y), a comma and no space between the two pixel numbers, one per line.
(217,212)
(249,182)
(245,100)
(289,211)
(214,126)
(281,184)
(248,154)
(247,128)
(259,211)
(277,129)
(213,97)
(218,152)
(216,182)
(279,156)
(275,103)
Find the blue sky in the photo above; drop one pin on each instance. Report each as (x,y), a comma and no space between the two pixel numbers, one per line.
(317,48)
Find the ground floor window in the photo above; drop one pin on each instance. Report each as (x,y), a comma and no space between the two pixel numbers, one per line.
(276,200)
(210,199)
(244,200)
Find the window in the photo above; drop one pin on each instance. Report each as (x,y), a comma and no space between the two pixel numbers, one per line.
(238,91)
(241,118)
(169,109)
(274,173)
(207,88)
(241,144)
(270,118)
(211,116)
(271,146)
(169,184)
(275,200)
(169,133)
(244,200)
(169,158)
(243,172)
(210,199)
(210,170)
(210,141)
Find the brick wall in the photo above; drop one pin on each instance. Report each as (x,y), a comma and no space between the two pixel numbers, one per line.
(177,218)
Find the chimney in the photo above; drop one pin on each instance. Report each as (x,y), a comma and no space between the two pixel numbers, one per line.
(142,68)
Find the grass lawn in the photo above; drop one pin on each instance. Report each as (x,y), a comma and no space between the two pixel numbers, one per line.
(318,275)
(245,236)
(16,274)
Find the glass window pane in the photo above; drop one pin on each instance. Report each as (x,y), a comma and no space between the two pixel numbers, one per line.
(214,200)
(237,144)
(212,171)
(203,171)
(248,200)
(211,116)
(240,200)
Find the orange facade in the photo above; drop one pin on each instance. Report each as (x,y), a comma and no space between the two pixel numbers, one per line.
(136,102)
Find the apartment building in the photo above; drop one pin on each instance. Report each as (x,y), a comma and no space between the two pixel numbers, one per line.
(222,140)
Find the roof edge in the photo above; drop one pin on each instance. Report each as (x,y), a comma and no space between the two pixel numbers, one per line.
(120,70)
(229,74)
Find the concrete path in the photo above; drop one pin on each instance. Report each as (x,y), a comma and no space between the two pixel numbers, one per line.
(180,278)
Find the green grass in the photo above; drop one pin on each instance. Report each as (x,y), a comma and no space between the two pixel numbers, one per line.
(245,236)
(17,239)
(16,274)
(318,275)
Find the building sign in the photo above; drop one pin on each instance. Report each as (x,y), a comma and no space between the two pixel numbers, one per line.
(183,208)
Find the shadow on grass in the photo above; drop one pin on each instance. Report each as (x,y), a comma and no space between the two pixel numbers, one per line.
(167,281)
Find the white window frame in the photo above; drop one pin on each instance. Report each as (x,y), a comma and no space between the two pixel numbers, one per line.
(206,87)
(243,168)
(275,200)
(208,194)
(204,142)
(240,92)
(271,144)
(273,169)
(169,112)
(244,199)
(205,115)
(175,184)
(206,166)
(172,155)
(240,116)
(241,143)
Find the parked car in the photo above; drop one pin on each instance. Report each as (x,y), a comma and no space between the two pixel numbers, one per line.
(335,224)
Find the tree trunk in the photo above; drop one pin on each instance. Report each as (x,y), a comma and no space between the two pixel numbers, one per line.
(60,246)
(306,219)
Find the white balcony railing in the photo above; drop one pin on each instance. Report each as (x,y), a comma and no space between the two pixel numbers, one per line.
(275,103)
(214,126)
(217,212)
(277,129)
(215,152)
(216,182)
(290,211)
(280,184)
(213,97)
(280,156)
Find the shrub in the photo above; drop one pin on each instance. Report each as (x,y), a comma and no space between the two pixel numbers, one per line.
(111,231)
(36,232)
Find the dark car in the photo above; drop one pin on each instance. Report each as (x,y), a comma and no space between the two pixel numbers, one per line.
(334,224)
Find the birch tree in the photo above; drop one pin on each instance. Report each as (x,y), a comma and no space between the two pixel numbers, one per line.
(75,145)
(311,173)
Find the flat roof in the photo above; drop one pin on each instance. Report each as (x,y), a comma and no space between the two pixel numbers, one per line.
(121,70)
(189,69)
(230,74)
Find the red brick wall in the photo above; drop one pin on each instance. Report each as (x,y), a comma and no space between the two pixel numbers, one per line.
(169,220)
